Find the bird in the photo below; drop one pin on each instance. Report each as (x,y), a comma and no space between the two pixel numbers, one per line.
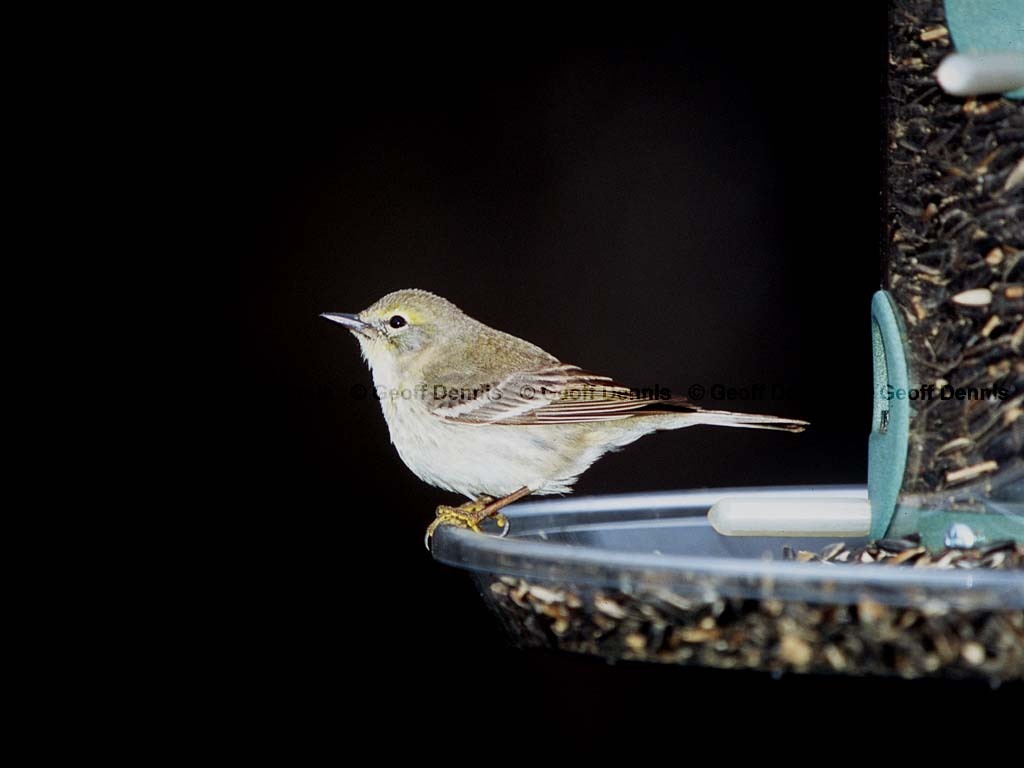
(487,415)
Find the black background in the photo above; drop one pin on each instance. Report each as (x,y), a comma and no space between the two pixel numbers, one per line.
(694,206)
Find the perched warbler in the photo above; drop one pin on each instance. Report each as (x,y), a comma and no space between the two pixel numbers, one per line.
(495,418)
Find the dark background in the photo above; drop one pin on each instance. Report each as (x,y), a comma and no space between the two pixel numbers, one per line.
(695,206)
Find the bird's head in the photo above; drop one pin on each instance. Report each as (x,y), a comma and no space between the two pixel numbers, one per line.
(402,328)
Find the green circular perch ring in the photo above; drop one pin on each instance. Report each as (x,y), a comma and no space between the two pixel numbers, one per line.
(890,422)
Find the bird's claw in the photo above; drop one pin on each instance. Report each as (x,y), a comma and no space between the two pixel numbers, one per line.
(468,515)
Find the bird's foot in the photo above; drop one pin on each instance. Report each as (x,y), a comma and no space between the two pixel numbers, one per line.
(469,515)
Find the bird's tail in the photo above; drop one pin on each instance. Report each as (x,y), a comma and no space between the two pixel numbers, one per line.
(747,420)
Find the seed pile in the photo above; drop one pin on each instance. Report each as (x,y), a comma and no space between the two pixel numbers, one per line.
(955,217)
(658,625)
(909,551)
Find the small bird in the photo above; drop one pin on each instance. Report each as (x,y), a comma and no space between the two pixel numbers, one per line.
(490,416)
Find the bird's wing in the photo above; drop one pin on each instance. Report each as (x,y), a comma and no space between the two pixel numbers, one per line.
(553,394)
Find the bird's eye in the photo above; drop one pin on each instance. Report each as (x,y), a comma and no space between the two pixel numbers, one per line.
(397,321)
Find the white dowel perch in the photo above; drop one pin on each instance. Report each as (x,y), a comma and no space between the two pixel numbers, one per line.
(791,517)
(972,74)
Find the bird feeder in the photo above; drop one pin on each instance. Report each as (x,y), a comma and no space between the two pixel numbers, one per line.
(818,579)
(946,452)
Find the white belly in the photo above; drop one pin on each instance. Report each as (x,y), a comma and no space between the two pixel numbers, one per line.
(485,459)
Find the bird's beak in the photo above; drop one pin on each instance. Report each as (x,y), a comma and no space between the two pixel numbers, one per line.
(352,322)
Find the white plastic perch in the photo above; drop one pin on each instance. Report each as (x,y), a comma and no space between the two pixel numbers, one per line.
(972,74)
(796,516)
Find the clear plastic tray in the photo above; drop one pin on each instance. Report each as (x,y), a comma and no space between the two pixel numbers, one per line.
(664,540)
(639,566)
